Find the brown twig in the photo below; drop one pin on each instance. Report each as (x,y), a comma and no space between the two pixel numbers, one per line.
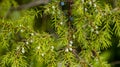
(27,6)
(115,63)
(32,4)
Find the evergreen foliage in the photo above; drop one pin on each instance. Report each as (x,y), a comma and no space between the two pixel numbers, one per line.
(92,27)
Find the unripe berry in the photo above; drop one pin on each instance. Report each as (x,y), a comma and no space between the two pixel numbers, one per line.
(71,42)
(96,27)
(97,32)
(32,34)
(27,43)
(31,41)
(86,9)
(23,50)
(95,5)
(70,49)
(38,47)
(53,7)
(42,54)
(52,47)
(92,30)
(21,30)
(66,50)
(90,3)
(61,23)
(82,1)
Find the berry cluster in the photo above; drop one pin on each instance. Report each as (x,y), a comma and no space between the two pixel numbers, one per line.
(66,6)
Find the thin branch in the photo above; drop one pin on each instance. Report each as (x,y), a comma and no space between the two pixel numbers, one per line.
(115,63)
(32,4)
(27,6)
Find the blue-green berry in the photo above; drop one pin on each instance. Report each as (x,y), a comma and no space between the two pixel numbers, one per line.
(62,3)
(71,19)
